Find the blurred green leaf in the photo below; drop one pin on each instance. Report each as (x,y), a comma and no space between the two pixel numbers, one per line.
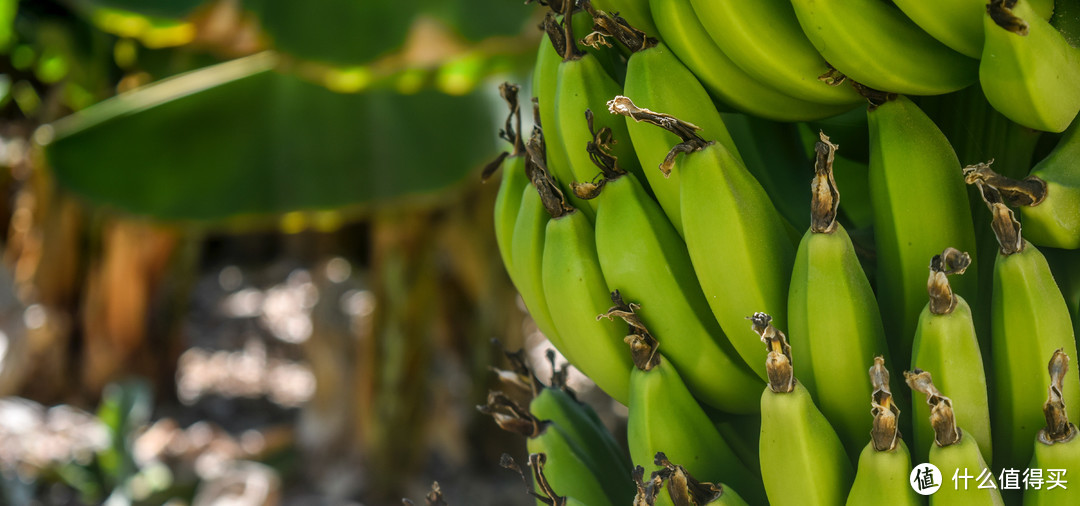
(174,9)
(336,31)
(479,19)
(242,138)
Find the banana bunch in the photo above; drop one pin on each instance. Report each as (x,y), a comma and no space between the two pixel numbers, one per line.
(661,197)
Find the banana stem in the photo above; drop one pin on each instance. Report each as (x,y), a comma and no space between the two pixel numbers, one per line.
(884,435)
(684,488)
(685,130)
(942,418)
(1058,429)
(778,364)
(950,261)
(643,346)
(570,51)
(1006,228)
(824,196)
(1029,191)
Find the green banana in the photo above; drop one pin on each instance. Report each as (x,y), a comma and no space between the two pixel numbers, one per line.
(728,222)
(583,84)
(884,464)
(1030,321)
(655,74)
(802,459)
(545,83)
(1057,446)
(773,154)
(681,30)
(920,208)
(576,292)
(1049,198)
(574,468)
(945,343)
(642,256)
(953,449)
(527,245)
(582,426)
(878,46)
(764,39)
(958,23)
(832,312)
(514,180)
(664,417)
(1028,69)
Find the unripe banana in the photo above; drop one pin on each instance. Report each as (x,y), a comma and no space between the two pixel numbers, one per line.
(737,240)
(945,343)
(775,155)
(1030,321)
(527,246)
(681,30)
(953,449)
(576,292)
(765,40)
(664,417)
(802,459)
(514,180)
(583,84)
(1028,70)
(878,46)
(571,469)
(545,84)
(1057,446)
(582,426)
(920,208)
(642,257)
(884,464)
(657,77)
(654,73)
(833,313)
(958,23)
(1049,198)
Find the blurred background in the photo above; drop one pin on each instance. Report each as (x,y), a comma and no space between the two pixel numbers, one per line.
(247,255)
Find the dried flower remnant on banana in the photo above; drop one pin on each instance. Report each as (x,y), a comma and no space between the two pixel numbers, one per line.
(824,197)
(685,130)
(942,417)
(951,261)
(778,364)
(643,346)
(884,435)
(1058,428)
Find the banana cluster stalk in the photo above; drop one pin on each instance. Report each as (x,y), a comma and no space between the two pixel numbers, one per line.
(945,342)
(953,448)
(803,461)
(884,464)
